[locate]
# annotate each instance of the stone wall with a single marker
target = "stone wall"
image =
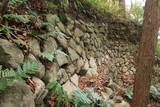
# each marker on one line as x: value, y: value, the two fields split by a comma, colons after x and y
x: 85, y: 43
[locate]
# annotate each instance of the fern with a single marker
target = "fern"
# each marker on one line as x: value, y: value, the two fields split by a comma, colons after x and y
x: 51, y: 5
x: 43, y: 36
x: 15, y: 3
x: 92, y: 95
x: 8, y: 76
x: 5, y: 30
x: 80, y: 98
x: 45, y: 24
x: 19, y: 42
x: 128, y: 94
x: 21, y: 18
x: 57, y: 89
x: 155, y: 93
x: 51, y: 55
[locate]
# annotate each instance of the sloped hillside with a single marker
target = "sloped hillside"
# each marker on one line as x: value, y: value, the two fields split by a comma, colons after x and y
x: 75, y: 48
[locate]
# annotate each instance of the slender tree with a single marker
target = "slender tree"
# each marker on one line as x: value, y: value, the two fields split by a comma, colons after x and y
x: 4, y: 6
x: 122, y: 4
x: 146, y: 53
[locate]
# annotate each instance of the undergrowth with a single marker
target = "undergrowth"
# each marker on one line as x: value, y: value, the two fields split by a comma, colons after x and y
x: 78, y: 98
x: 9, y: 76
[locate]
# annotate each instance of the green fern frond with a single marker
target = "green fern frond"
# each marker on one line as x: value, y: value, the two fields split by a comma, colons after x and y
x: 5, y: 30
x: 80, y: 97
x: 15, y: 3
x: 8, y: 76
x: 43, y: 36
x: 92, y: 95
x: 21, y: 18
x: 51, y: 5
x: 19, y: 42
x: 45, y: 24
x: 57, y: 89
x: 51, y: 55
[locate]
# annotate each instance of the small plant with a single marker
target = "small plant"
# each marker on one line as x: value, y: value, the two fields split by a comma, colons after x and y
x: 51, y: 55
x: 51, y: 5
x: 128, y: 94
x: 57, y: 90
x: 22, y: 18
x: 9, y: 76
x: 5, y: 30
x: 155, y: 93
x: 80, y: 99
x: 15, y: 3
x: 88, y: 98
x: 45, y: 24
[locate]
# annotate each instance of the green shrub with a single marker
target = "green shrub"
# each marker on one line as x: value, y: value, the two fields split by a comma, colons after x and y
x: 103, y: 6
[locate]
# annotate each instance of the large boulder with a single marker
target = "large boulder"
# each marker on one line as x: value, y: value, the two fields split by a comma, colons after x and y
x: 10, y: 55
x: 19, y: 95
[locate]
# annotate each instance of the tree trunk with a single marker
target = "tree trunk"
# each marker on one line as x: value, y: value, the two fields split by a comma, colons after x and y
x: 4, y: 6
x: 146, y: 53
x: 122, y: 4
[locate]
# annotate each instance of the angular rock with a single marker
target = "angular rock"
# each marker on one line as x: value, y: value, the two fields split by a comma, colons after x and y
x: 18, y: 95
x: 122, y: 104
x: 80, y: 64
x: 74, y: 79
x: 71, y: 69
x: 51, y: 74
x: 61, y: 27
x: 76, y: 47
x: 69, y: 87
x: 78, y: 32
x: 92, y: 63
x: 34, y: 46
x: 61, y: 59
x: 92, y: 72
x: 50, y: 44
x: 52, y: 19
x: 62, y: 76
x: 62, y: 41
x: 108, y: 92
x: 10, y: 55
x: 73, y: 55
x: 40, y: 91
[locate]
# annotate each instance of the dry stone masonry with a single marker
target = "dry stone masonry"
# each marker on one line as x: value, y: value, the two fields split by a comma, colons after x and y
x: 85, y: 43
